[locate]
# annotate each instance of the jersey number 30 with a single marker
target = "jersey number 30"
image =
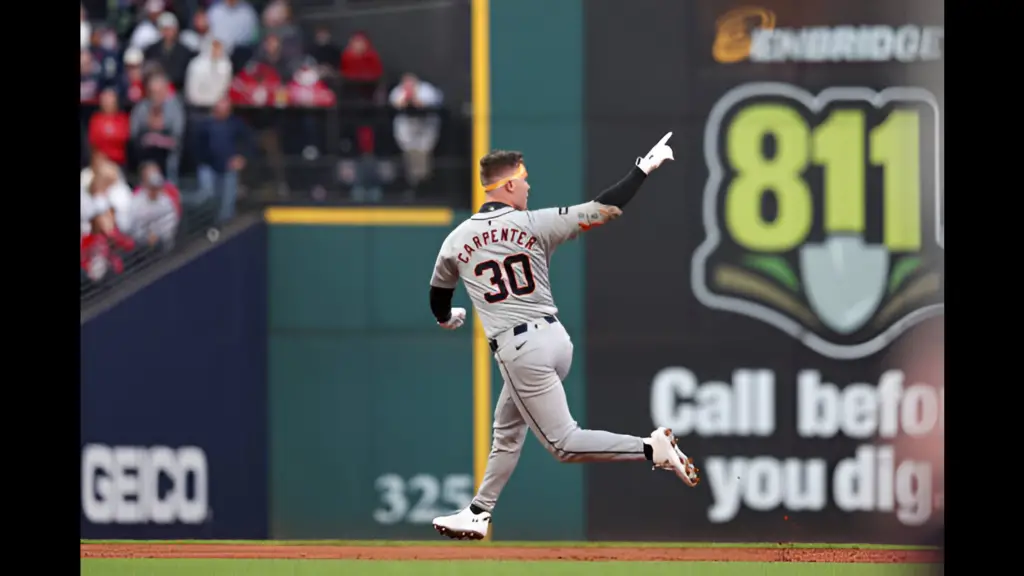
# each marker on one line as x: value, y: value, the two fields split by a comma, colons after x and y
x: 504, y: 277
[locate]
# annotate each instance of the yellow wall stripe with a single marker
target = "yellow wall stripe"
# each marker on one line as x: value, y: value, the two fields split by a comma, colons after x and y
x: 359, y: 216
x: 481, y: 45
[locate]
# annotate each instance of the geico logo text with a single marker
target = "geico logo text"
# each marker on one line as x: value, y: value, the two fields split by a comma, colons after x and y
x: 138, y: 484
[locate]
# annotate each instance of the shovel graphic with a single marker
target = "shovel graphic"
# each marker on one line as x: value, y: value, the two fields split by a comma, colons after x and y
x: 844, y: 280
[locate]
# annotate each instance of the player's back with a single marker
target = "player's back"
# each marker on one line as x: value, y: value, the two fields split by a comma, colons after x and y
x: 503, y: 264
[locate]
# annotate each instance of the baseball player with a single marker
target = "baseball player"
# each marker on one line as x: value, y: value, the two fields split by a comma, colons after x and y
x: 502, y: 255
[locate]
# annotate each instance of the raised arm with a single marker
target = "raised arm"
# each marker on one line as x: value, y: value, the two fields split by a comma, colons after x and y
x: 557, y: 225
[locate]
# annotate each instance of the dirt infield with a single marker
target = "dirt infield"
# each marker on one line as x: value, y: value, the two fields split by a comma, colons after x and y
x: 478, y: 552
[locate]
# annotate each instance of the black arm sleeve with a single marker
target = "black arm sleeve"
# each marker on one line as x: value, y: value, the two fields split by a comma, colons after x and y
x: 624, y: 190
x: 441, y: 303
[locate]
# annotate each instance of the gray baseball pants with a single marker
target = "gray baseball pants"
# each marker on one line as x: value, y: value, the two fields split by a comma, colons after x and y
x: 533, y: 397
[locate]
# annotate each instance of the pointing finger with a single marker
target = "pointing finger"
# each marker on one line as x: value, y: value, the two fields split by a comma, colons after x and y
x: 665, y: 138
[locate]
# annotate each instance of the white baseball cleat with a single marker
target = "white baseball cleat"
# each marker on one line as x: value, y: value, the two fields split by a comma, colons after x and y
x: 667, y: 456
x: 463, y: 525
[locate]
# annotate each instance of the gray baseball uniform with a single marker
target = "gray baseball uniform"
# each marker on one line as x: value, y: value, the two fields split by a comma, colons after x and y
x: 502, y: 256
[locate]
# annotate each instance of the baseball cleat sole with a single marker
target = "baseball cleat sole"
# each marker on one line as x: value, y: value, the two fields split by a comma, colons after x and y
x: 458, y: 534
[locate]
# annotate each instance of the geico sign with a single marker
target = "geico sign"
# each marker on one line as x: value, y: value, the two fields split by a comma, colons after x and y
x: 138, y: 484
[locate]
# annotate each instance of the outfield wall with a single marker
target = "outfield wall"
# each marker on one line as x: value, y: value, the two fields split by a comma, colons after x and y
x: 174, y: 401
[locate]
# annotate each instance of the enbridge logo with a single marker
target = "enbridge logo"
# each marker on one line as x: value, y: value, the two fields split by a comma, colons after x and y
x: 750, y: 34
x: 734, y: 30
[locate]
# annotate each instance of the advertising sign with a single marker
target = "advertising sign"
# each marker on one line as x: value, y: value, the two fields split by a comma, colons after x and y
x: 789, y: 273
x: 173, y: 403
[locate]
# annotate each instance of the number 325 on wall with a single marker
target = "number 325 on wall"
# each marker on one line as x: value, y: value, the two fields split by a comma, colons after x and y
x: 421, y: 498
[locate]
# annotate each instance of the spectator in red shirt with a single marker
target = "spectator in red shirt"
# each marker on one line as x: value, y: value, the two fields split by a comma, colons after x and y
x: 108, y: 128
x: 361, y: 68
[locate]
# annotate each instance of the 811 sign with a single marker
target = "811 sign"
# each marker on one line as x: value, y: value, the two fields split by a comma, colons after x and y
x: 822, y: 213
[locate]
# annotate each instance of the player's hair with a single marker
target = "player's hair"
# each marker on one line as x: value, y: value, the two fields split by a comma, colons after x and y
x: 497, y: 163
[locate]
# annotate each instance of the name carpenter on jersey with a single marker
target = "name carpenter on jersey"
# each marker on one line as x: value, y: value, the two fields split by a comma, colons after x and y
x: 495, y: 236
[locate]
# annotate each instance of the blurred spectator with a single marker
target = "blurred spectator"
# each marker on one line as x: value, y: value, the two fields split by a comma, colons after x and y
x: 108, y: 128
x: 361, y: 68
x: 155, y: 214
x: 157, y: 126
x: 93, y: 201
x: 208, y: 77
x: 147, y: 32
x: 105, y: 53
x: 103, y: 248
x: 306, y: 89
x: 91, y: 79
x: 223, y: 143
x: 171, y: 54
x: 155, y: 141
x: 236, y: 25
x: 325, y: 52
x: 363, y: 174
x: 272, y: 54
x: 86, y: 28
x: 257, y: 84
x: 198, y: 36
x: 277, y: 21
x: 105, y: 183
x: 133, y: 87
x: 416, y: 134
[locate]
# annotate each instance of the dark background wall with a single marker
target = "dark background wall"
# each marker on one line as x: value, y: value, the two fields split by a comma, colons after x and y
x: 650, y: 69
x: 181, y: 363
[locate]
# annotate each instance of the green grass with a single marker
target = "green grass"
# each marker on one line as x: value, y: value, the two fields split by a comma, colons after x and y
x: 530, y: 544
x: 487, y: 568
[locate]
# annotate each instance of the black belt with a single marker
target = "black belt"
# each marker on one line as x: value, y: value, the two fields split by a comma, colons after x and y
x: 519, y: 329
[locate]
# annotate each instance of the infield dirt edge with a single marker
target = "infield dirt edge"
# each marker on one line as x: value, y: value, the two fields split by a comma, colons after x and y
x: 469, y: 551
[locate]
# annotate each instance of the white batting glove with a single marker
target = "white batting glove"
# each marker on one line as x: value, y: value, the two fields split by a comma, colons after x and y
x: 457, y: 318
x: 660, y: 153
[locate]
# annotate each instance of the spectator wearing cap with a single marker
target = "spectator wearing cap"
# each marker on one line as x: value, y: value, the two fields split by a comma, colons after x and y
x: 132, y: 84
x: 157, y: 125
x: 198, y: 36
x: 208, y: 77
x: 155, y: 214
x: 223, y: 142
x: 108, y: 128
x: 171, y: 54
x: 147, y: 32
x: 236, y: 24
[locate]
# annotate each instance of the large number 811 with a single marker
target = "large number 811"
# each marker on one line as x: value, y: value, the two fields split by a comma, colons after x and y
x: 838, y: 145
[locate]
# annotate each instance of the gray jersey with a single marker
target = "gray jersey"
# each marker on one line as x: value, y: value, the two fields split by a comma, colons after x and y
x: 502, y: 257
